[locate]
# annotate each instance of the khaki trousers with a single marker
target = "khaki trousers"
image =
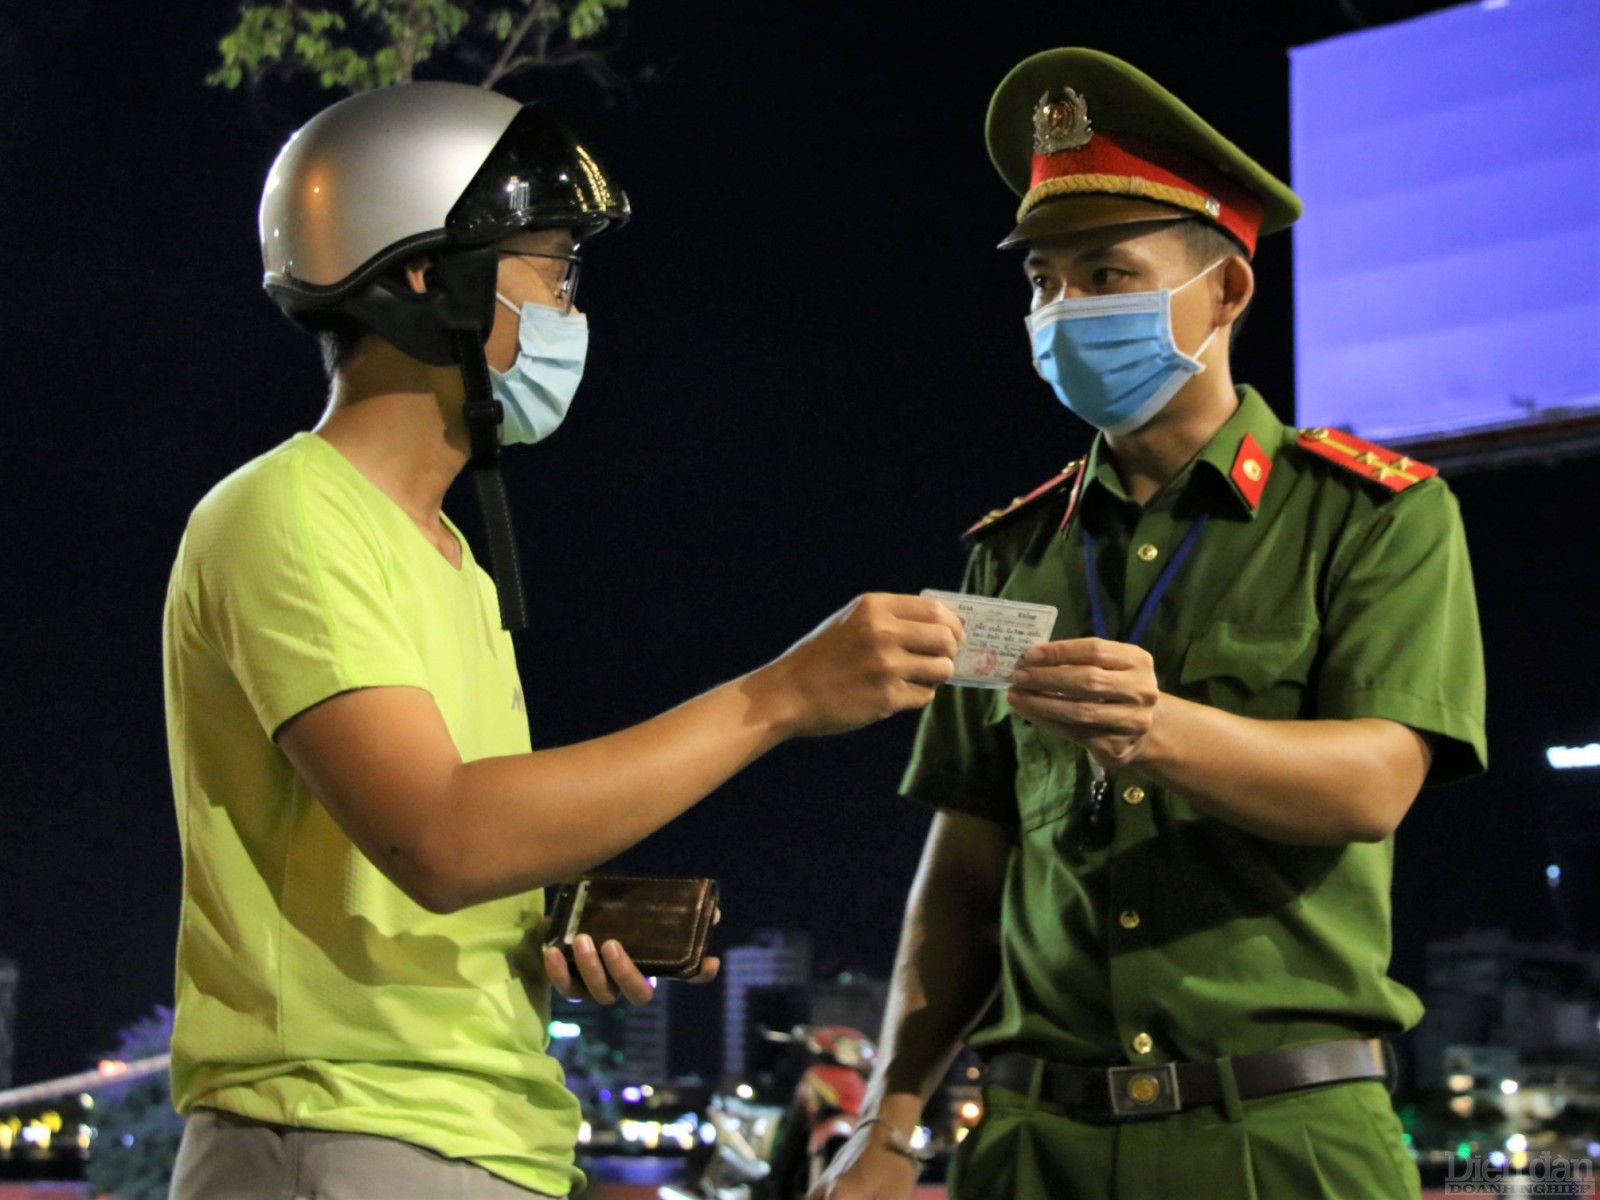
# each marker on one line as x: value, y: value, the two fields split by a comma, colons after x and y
x: 224, y: 1157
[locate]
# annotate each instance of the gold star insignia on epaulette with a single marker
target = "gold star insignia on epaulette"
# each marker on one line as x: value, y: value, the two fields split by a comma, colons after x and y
x: 1395, y: 471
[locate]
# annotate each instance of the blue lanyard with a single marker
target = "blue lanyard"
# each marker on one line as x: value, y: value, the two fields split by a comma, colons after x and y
x: 1163, y: 582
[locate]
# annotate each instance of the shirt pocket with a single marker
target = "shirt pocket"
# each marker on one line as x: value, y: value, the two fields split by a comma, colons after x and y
x: 1252, y: 670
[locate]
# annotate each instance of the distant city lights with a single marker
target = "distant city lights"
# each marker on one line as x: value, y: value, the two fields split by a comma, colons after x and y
x: 1568, y: 758
x: 651, y: 1134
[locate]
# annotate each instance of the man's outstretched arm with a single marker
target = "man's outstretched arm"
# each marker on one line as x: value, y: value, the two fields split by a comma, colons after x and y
x: 944, y: 979
x: 451, y: 833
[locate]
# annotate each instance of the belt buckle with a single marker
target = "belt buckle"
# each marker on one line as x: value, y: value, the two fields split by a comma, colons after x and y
x: 1144, y: 1091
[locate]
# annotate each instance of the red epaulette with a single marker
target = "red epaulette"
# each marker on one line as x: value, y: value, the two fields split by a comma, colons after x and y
x: 1394, y: 470
x: 1072, y: 473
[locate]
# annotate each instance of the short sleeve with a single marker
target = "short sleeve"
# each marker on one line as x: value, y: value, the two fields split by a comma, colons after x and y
x: 290, y: 582
x: 1401, y: 636
x: 964, y: 758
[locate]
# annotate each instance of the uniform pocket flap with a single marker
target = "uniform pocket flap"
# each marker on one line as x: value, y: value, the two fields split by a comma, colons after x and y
x: 1257, y: 657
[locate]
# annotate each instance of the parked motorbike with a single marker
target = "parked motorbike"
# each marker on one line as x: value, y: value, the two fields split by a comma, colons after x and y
x: 754, y: 1156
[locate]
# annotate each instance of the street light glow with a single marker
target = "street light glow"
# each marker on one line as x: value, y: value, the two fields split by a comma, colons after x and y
x: 1568, y: 758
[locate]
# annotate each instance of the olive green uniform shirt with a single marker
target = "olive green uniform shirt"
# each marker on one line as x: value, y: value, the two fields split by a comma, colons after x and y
x: 1188, y: 938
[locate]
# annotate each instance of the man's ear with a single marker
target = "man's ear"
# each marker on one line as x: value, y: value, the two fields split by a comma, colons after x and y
x: 417, y: 274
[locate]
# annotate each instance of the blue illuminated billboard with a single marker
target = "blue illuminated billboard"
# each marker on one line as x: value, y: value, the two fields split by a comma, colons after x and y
x: 1447, y: 268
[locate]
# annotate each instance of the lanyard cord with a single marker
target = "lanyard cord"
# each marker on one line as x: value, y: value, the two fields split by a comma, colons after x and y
x: 1098, y: 821
x: 1147, y: 610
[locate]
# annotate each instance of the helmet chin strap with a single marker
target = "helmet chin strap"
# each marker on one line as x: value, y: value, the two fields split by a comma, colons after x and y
x: 484, y: 414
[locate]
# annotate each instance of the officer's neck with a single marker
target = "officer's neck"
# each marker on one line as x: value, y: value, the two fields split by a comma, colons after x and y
x: 1152, y: 456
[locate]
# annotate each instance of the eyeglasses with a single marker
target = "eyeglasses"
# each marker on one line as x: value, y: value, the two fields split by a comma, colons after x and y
x: 565, y: 289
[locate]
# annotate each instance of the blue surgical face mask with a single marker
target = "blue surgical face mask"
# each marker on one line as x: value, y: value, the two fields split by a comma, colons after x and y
x: 537, y: 391
x: 1112, y: 359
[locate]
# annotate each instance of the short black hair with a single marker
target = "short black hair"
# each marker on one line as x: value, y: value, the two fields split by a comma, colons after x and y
x: 338, y: 337
x: 1206, y: 243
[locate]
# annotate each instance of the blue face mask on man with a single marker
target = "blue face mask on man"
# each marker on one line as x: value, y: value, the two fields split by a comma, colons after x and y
x: 537, y: 389
x: 1112, y: 359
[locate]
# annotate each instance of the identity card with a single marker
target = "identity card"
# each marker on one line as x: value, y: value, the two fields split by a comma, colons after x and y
x: 999, y: 632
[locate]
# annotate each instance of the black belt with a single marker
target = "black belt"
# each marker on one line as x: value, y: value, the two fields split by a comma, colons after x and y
x: 1116, y: 1093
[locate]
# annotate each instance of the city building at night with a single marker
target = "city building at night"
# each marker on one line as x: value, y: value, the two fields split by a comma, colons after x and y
x: 850, y: 998
x: 605, y: 1047
x: 773, y: 959
x: 8, y: 1016
x: 1571, y: 805
x: 1515, y: 1024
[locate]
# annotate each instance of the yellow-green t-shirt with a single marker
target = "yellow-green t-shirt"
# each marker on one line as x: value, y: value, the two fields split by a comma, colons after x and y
x: 310, y: 990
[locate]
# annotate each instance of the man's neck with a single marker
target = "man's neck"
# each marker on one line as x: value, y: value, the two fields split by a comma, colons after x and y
x: 1152, y: 456
x: 395, y: 432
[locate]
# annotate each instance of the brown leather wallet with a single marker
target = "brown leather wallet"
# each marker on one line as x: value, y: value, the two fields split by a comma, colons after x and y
x: 662, y: 921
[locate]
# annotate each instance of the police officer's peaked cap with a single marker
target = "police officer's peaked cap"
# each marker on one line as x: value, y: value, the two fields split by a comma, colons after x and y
x: 1078, y: 123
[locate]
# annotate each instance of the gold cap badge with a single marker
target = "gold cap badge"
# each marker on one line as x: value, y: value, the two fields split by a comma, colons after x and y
x: 1061, y: 122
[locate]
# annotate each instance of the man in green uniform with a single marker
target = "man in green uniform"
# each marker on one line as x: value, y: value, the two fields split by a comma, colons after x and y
x: 1155, y: 897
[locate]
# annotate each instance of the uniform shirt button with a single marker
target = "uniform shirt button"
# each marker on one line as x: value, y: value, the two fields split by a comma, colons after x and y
x: 1134, y: 795
x: 1148, y: 553
x: 1129, y: 920
x: 1143, y: 1043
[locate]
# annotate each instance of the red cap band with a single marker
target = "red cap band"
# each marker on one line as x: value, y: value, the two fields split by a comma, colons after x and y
x: 1131, y: 166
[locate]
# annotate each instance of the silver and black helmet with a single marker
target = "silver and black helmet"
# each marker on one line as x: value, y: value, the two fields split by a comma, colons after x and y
x: 442, y: 170
x: 435, y: 170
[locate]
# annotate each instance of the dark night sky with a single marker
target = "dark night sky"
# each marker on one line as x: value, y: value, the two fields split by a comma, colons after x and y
x: 808, y: 375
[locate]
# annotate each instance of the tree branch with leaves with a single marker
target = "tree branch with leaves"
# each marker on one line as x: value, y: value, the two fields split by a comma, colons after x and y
x: 362, y: 44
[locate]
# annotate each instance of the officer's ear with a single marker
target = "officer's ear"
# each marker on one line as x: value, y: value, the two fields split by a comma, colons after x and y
x: 1238, y: 288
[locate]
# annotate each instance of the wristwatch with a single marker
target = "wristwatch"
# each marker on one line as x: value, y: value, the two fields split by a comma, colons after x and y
x: 898, y: 1142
